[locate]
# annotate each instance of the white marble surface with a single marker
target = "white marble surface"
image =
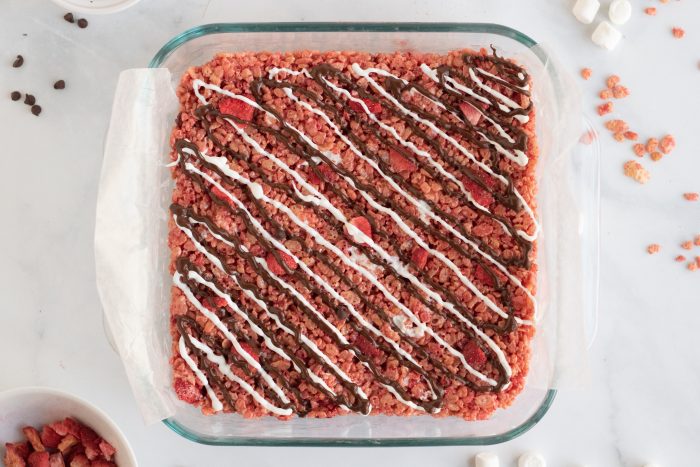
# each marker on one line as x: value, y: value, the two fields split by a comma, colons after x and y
x: 642, y: 404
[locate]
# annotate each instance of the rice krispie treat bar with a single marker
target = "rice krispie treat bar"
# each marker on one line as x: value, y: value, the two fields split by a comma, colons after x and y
x: 353, y: 233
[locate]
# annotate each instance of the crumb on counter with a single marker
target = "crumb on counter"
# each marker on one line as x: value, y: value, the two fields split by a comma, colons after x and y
x: 586, y: 73
x: 687, y: 245
x: 678, y: 33
x: 651, y: 11
x: 691, y: 196
x: 680, y: 258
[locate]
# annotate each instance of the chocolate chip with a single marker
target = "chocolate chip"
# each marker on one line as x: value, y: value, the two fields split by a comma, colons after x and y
x: 60, y: 84
x: 19, y: 61
x: 69, y: 17
x: 29, y: 99
x: 82, y: 23
x: 36, y: 110
x: 15, y: 95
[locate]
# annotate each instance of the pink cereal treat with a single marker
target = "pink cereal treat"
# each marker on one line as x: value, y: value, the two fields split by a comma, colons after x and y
x: 691, y: 196
x: 636, y: 171
x: 653, y: 248
x: 586, y: 73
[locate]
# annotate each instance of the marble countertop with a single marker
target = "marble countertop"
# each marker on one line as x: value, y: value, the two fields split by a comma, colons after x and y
x: 642, y: 402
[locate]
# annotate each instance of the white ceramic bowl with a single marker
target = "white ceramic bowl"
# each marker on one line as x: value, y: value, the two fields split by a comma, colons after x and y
x: 95, y: 7
x: 38, y: 406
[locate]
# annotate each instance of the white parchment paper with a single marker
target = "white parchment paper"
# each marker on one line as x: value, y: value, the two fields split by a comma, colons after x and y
x: 131, y: 231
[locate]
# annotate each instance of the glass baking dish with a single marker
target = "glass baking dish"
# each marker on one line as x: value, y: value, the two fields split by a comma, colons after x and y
x: 579, y: 172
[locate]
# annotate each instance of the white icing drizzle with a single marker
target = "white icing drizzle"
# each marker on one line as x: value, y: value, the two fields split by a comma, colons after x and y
x: 302, y: 337
x: 215, y: 402
x: 422, y: 207
x: 359, y: 71
x: 225, y: 370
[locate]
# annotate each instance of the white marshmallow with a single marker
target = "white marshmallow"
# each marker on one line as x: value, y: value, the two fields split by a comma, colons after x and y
x: 585, y: 10
x: 606, y: 36
x: 486, y: 459
x: 620, y: 11
x: 532, y: 459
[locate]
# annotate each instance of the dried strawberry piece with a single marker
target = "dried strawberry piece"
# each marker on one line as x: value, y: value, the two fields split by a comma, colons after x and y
x: 38, y: 459
x: 605, y: 108
x: 651, y: 11
x: 67, y: 443
x: 186, y: 391
x: 363, y: 225
x: 80, y: 461
x: 34, y: 438
x: 639, y: 149
x: 328, y: 173
x: 107, y: 449
x: 475, y: 356
x: 470, y: 112
x: 249, y: 350
x: 102, y: 463
x: 16, y: 454
x: 237, y: 108
x: 480, y: 195
x: 586, y: 73
x: 366, y: 346
x: 419, y: 257
x: 49, y: 437
x: 399, y: 163
x: 56, y: 460
x: 275, y: 267
x: 483, y: 276
x: 374, y: 107
x: 219, y: 302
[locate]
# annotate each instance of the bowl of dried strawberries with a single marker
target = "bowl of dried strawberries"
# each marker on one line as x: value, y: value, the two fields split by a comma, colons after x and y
x: 42, y: 427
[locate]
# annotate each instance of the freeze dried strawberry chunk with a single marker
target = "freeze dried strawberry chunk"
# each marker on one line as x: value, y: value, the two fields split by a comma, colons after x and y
x: 480, y: 195
x: 277, y: 268
x: 80, y: 461
x: 374, y: 107
x: 605, y: 108
x: 366, y: 346
x: 102, y: 463
x: 237, y: 108
x: 49, y: 437
x: 328, y: 173
x: 56, y: 460
x: 691, y: 196
x: 186, y: 391
x: 399, y: 163
x: 67, y: 443
x: 363, y: 225
x: 38, y: 459
x: 16, y: 454
x: 107, y: 449
x: 33, y: 437
x: 483, y: 276
x: 586, y: 73
x: 419, y: 257
x: 249, y: 350
x: 470, y: 112
x: 474, y: 355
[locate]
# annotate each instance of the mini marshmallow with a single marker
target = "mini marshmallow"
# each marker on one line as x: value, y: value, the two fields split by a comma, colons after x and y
x: 531, y: 459
x: 486, y: 459
x: 620, y: 11
x: 606, y: 36
x: 585, y: 10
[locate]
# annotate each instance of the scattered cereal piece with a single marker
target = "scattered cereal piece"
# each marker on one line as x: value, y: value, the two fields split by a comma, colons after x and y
x: 635, y: 170
x: 605, y: 94
x: 60, y: 84
x: 631, y: 135
x: 667, y: 144
x: 606, y: 108
x: 639, y: 149
x: 680, y: 258
x: 678, y: 33
x: 697, y: 240
x: 652, y: 144
x: 69, y: 17
x: 586, y: 73
x: 619, y: 136
x: 19, y: 61
x: 653, y: 248
x: 616, y: 125
x: 656, y: 156
x: 687, y: 245
x: 691, y: 196
x: 612, y: 81
x: 82, y: 23
x: 651, y: 11
x: 620, y: 92
x: 692, y: 266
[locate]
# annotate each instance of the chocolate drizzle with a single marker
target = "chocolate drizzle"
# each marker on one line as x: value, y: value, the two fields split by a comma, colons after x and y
x: 344, y: 117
